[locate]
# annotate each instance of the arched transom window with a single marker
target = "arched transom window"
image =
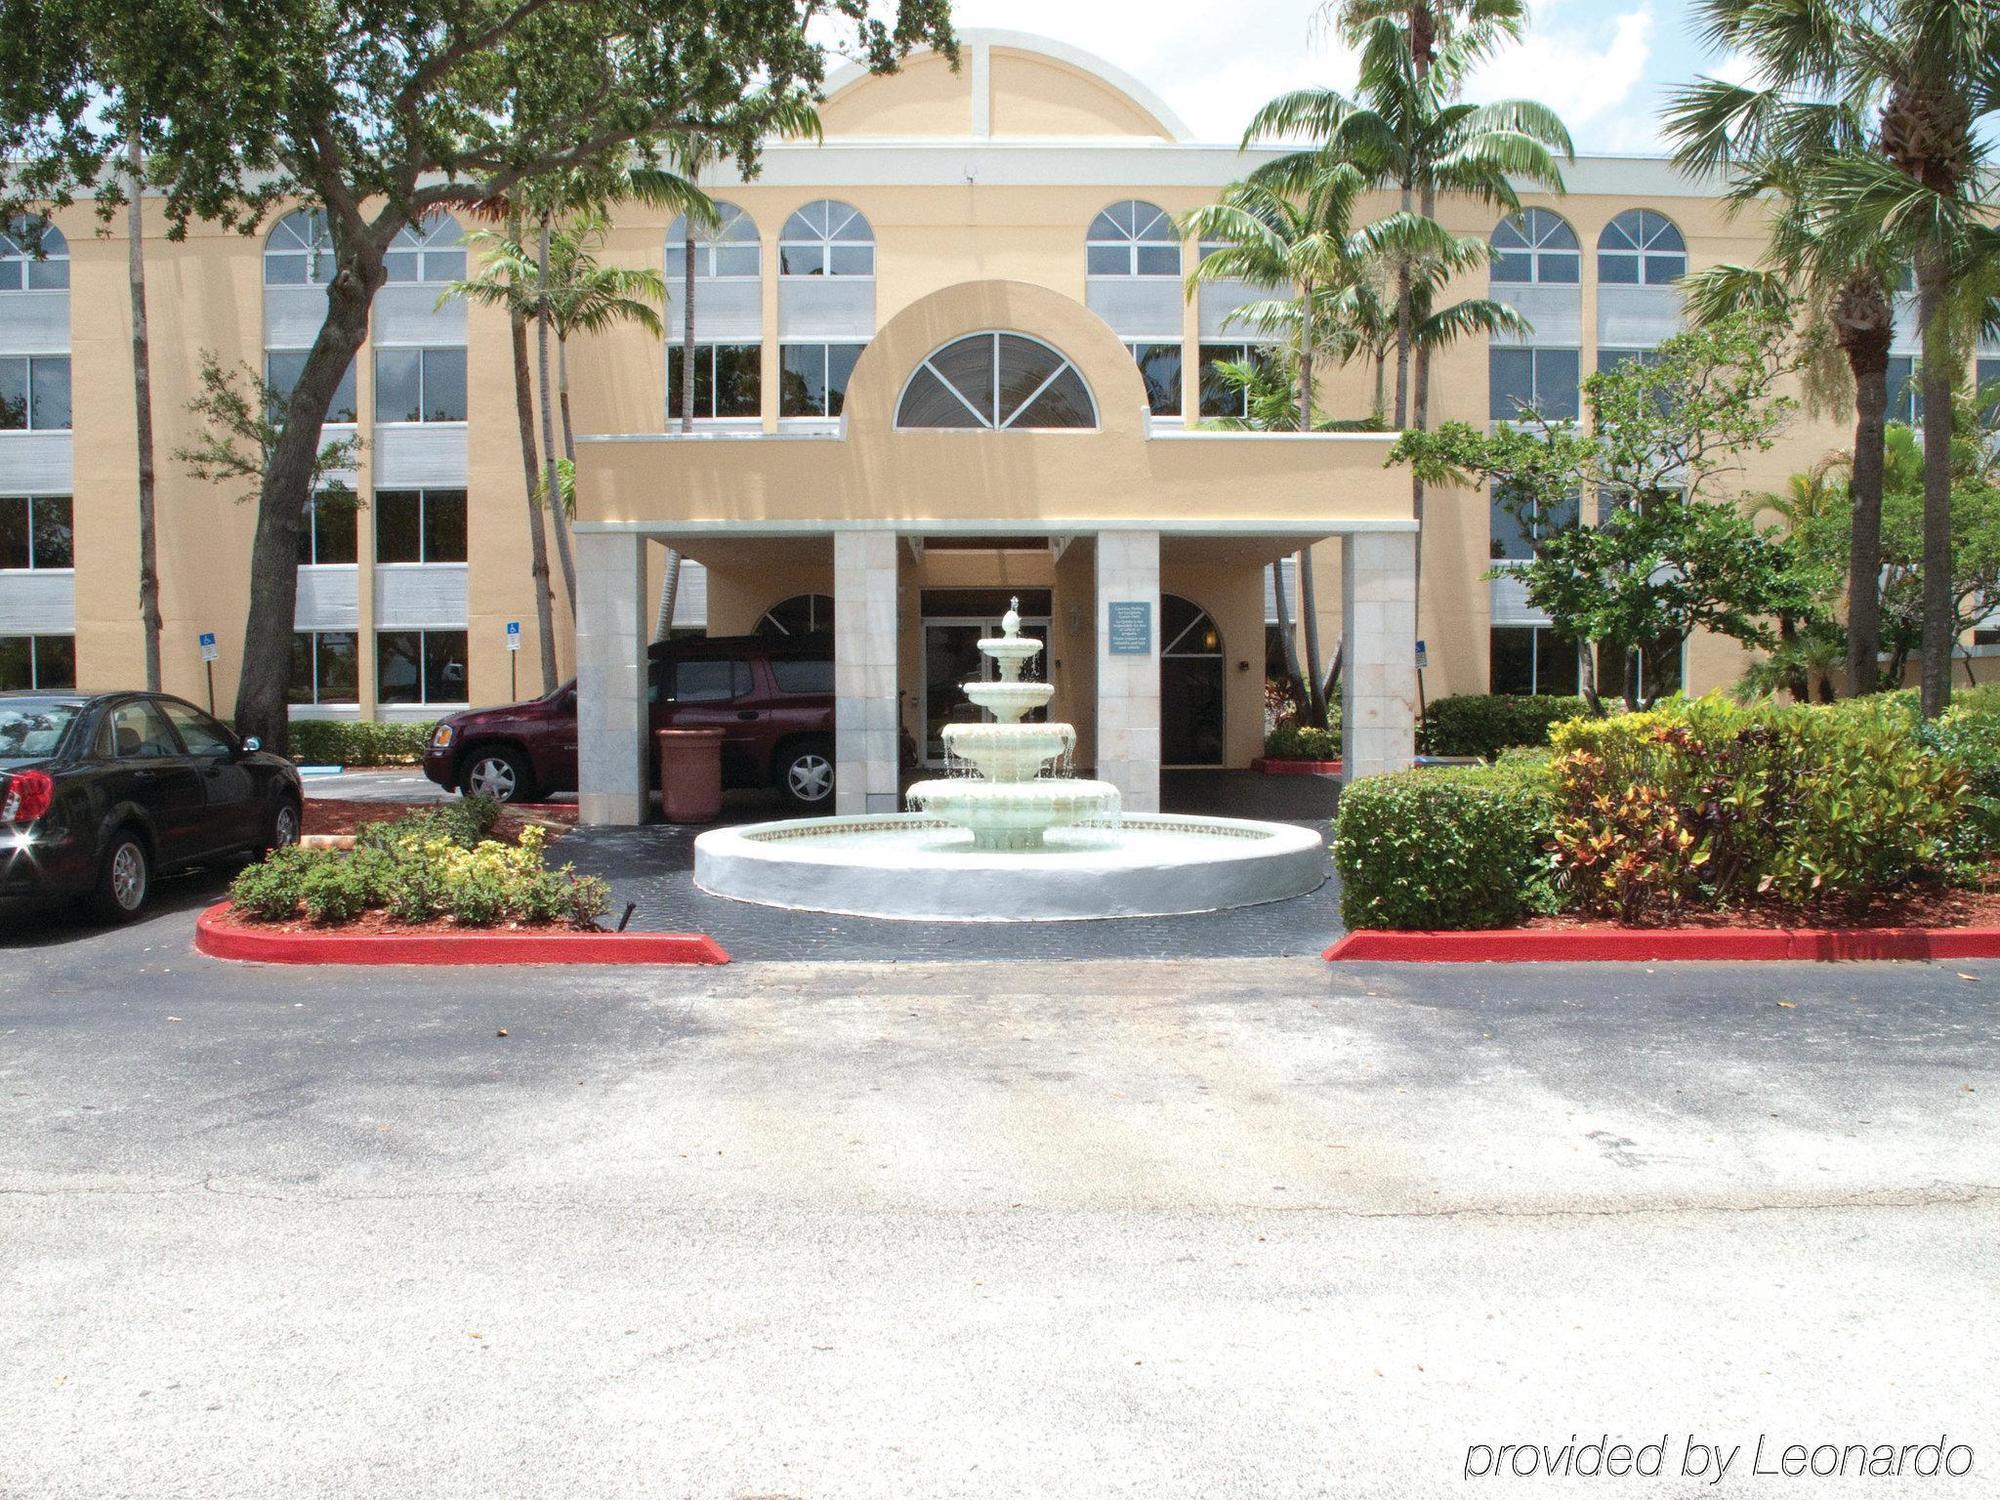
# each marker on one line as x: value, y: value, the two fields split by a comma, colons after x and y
x: 729, y: 249
x: 432, y: 250
x: 300, y: 250
x: 826, y: 239
x: 1641, y: 248
x: 996, y: 381
x: 1536, y: 245
x: 1133, y: 238
x: 800, y: 615
x: 34, y: 257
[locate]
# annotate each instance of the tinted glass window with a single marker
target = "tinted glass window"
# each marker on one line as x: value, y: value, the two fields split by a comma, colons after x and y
x: 802, y: 676
x: 14, y: 547
x: 399, y: 385
x: 399, y: 533
x: 55, y: 661
x: 13, y: 394
x: 29, y: 728
x: 201, y: 734
x: 710, y: 681
x: 139, y: 732
x: 444, y: 385
x: 444, y: 526
x: 48, y: 407
x: 55, y: 539
x: 1160, y: 368
x: 282, y: 369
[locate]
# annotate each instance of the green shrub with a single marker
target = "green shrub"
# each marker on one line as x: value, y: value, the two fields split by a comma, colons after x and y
x: 269, y: 889
x: 1968, y: 736
x: 464, y: 822
x: 333, y: 890
x: 1303, y: 742
x: 1445, y: 848
x: 1704, y: 803
x: 1484, y: 724
x: 333, y: 742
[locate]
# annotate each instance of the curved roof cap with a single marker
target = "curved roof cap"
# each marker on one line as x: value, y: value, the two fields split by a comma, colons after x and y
x: 1035, y: 86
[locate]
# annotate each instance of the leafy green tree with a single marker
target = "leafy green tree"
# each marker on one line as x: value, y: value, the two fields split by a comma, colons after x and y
x: 1669, y: 548
x: 1924, y: 71
x: 242, y: 430
x: 382, y: 114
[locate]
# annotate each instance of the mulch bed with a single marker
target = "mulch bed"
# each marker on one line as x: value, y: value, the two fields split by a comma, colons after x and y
x: 329, y: 816
x: 380, y: 924
x: 1932, y: 906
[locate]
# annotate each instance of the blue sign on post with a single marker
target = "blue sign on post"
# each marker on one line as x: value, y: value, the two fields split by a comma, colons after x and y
x: 208, y: 651
x: 513, y: 635
x: 1130, y: 629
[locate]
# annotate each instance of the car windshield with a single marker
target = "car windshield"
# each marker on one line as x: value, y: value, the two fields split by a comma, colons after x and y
x: 31, y: 728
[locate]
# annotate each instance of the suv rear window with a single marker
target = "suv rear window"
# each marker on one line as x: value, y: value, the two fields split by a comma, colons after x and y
x: 710, y: 681
x: 794, y: 675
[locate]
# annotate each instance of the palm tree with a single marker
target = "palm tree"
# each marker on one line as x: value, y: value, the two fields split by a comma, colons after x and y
x: 142, y: 401
x: 1409, y: 128
x: 1924, y: 73
x: 1841, y: 292
x: 505, y: 279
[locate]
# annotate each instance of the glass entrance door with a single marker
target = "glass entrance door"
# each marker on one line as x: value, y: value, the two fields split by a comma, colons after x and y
x: 952, y: 659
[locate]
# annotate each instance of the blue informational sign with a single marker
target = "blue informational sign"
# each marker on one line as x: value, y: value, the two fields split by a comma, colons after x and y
x: 1131, y: 627
x: 513, y: 635
x: 1423, y: 656
x: 208, y: 650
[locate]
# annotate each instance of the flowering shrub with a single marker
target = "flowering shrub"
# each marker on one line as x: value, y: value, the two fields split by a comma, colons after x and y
x: 417, y: 870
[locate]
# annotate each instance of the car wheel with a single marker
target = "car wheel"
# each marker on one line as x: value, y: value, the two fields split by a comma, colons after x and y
x: 282, y: 828
x: 500, y: 774
x: 124, y: 878
x: 805, y: 776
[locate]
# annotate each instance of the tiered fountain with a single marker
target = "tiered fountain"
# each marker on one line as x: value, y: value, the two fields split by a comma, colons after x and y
x: 1009, y: 842
x: 1010, y: 804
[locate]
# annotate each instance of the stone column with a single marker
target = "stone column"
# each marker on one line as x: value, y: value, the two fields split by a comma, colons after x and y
x: 865, y: 639
x: 611, y: 628
x: 1128, y: 683
x: 1378, y: 680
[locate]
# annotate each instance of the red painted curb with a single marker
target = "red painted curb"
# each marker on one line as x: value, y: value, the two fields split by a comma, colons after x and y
x: 1265, y: 766
x: 1668, y: 944
x: 227, y: 940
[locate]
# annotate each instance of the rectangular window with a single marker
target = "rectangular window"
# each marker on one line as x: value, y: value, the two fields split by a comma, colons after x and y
x: 1532, y: 660
x: 282, y: 369
x: 420, y: 385
x: 36, y: 532
x: 1906, y: 397
x: 1160, y: 368
x: 37, y: 661
x: 1544, y: 380
x: 728, y: 380
x: 1610, y: 359
x: 34, y: 393
x: 710, y: 680
x: 1656, y: 670
x: 328, y: 535
x: 1516, y: 531
x: 419, y: 526
x: 812, y: 382
x: 420, y: 666
x: 1218, y: 397
x: 326, y: 667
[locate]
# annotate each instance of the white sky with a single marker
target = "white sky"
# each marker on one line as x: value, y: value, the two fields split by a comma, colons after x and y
x: 1601, y: 64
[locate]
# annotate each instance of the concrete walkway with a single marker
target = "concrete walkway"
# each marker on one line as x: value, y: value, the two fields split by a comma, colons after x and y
x: 1246, y: 1228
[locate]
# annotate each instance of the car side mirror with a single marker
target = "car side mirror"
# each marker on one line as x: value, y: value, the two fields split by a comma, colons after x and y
x: 252, y: 743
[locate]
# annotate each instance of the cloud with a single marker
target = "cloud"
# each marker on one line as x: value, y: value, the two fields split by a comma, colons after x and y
x: 1591, y: 75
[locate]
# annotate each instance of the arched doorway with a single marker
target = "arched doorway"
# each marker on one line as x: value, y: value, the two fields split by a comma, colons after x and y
x: 798, y: 617
x: 1191, y: 685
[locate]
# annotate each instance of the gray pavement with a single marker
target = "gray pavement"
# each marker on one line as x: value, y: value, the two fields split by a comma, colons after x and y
x: 1237, y: 1228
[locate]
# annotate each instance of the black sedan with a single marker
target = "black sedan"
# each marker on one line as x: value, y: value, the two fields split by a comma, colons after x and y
x: 98, y: 793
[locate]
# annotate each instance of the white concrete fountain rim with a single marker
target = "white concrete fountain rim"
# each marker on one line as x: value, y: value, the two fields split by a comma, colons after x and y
x: 1149, y: 865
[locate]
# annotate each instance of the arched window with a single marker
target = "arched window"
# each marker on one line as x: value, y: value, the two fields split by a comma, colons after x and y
x: 826, y: 239
x: 300, y: 250
x: 432, y: 250
x: 1641, y: 248
x: 797, y: 617
x: 1133, y: 239
x: 34, y: 257
x: 1191, y: 684
x: 996, y: 381
x: 730, y: 250
x: 1536, y: 245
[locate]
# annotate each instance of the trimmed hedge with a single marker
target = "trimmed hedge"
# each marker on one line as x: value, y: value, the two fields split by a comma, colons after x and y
x: 1303, y: 742
x: 1448, y: 848
x: 336, y: 742
x: 1484, y: 724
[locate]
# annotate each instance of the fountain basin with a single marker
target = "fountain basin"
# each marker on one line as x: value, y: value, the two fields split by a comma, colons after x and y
x: 1008, y: 752
x: 1014, y: 813
x: 1007, y: 701
x: 911, y: 866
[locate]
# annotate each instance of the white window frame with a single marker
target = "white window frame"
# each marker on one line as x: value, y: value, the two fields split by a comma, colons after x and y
x: 423, y: 385
x: 34, y: 638
x: 438, y: 234
x: 34, y: 567
x: 1542, y: 230
x: 318, y: 702
x: 992, y: 423
x: 302, y: 232
x: 1146, y: 218
x: 14, y: 251
x: 421, y: 632
x: 1646, y: 229
x: 706, y: 246
x: 840, y: 225
x: 29, y: 361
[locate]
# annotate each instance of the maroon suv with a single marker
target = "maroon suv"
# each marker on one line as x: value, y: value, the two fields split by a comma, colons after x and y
x: 773, y: 703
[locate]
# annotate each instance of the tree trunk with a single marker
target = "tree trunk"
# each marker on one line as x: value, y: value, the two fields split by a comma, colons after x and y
x: 1315, y: 684
x: 142, y: 410
x: 552, y: 480
x: 1586, y: 679
x: 1295, y: 681
x: 538, y: 544
x: 1420, y: 412
x: 1940, y: 620
x: 262, y: 687
x: 1309, y: 607
x: 1866, y: 325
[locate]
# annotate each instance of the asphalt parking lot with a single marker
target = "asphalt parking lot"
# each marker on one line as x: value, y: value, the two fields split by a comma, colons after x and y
x: 1250, y: 1227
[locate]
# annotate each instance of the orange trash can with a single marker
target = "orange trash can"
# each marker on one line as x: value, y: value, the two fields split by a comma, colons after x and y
x: 690, y: 774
